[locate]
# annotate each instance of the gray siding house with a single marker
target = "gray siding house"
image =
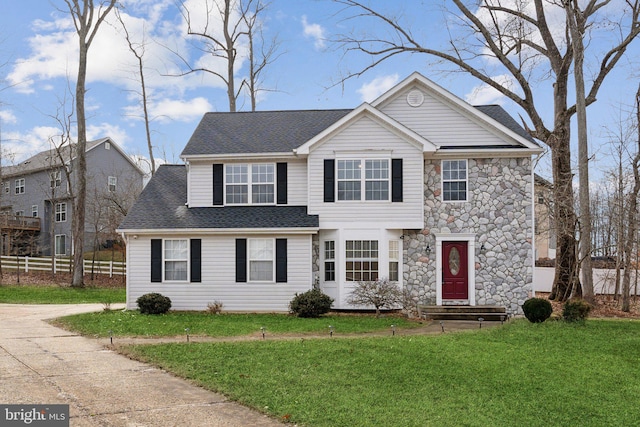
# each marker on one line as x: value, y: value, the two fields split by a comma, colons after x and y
x: 418, y: 187
x: 36, y: 197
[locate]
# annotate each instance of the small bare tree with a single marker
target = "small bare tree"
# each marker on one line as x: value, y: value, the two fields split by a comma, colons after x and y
x: 379, y: 293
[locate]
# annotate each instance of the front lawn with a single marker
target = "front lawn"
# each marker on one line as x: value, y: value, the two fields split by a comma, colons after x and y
x: 521, y: 374
x: 60, y: 295
x: 134, y: 324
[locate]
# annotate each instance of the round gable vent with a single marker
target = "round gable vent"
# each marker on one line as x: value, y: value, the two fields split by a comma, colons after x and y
x: 415, y: 98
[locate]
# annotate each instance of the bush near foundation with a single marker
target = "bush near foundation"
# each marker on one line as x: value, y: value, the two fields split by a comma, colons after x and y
x: 537, y: 310
x: 153, y: 303
x: 313, y: 303
x: 576, y: 310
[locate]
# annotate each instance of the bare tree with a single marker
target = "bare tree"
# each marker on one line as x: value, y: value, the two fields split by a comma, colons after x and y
x: 632, y: 216
x: 519, y: 39
x: 87, y: 18
x: 380, y: 293
x: 138, y: 50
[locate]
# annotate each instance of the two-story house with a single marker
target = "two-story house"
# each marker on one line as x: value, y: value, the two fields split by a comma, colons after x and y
x: 418, y: 187
x: 36, y: 197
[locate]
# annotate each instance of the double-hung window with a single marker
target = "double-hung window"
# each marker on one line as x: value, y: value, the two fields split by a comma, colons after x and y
x: 329, y: 261
x: 61, y: 212
x: 250, y: 183
x: 361, y: 260
x: 394, y: 260
x: 176, y: 256
x: 19, y: 186
x: 55, y: 179
x: 261, y: 260
x: 34, y: 211
x: 374, y: 180
x: 112, y: 183
x: 454, y: 180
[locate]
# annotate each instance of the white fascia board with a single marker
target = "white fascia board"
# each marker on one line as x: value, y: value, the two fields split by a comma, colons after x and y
x: 235, y: 156
x: 366, y: 110
x: 457, y: 103
x: 484, y: 153
x: 218, y: 231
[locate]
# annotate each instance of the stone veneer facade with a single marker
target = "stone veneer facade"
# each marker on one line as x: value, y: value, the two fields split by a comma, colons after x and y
x: 498, y: 212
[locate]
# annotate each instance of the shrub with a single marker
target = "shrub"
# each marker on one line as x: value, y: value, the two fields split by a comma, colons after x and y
x: 153, y: 303
x: 312, y: 303
x: 214, y: 307
x: 379, y: 293
x: 576, y: 310
x: 537, y: 310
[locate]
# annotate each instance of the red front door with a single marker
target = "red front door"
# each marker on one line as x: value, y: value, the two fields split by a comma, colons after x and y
x: 455, y: 280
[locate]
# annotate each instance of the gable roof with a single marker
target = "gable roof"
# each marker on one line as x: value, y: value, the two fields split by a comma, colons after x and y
x: 258, y: 131
x: 50, y: 159
x: 162, y: 206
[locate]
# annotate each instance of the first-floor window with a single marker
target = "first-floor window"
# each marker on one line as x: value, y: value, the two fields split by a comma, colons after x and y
x: 61, y: 212
x: 61, y: 244
x: 261, y: 257
x: 329, y: 261
x: 175, y: 259
x: 454, y: 180
x: 394, y: 260
x: 361, y: 260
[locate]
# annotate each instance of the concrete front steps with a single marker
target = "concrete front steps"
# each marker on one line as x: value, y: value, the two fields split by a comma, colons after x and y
x: 489, y: 313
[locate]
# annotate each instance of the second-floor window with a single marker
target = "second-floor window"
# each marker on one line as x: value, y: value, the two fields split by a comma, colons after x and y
x: 61, y: 212
x: 6, y: 187
x: 112, y: 183
x: 374, y: 180
x: 20, y: 186
x: 34, y: 211
x: 250, y: 183
x: 454, y: 180
x: 56, y: 179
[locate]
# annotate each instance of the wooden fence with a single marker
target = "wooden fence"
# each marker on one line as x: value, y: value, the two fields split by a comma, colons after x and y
x: 27, y: 264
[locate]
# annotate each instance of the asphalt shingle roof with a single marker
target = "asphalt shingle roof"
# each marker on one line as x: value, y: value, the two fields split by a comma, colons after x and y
x: 498, y: 114
x: 162, y: 206
x: 258, y: 131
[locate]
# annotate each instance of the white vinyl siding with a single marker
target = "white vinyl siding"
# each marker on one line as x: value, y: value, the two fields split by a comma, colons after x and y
x: 218, y: 276
x: 438, y: 122
x: 367, y: 140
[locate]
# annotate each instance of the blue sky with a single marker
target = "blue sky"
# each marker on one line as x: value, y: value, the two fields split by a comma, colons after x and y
x: 37, y: 45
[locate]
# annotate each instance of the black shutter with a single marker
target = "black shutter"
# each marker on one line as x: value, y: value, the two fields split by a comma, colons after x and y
x: 396, y: 180
x: 196, y: 260
x: 218, y: 184
x: 281, y: 177
x: 329, y: 180
x: 281, y: 260
x: 241, y: 260
x: 156, y: 260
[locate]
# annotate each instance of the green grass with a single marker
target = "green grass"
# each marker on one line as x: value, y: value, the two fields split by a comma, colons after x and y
x: 550, y: 374
x: 132, y: 323
x: 60, y: 295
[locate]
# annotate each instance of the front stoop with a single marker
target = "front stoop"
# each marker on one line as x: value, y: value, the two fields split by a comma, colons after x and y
x: 463, y: 312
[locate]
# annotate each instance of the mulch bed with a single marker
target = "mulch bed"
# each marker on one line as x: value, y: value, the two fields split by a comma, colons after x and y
x: 605, y: 306
x: 42, y: 278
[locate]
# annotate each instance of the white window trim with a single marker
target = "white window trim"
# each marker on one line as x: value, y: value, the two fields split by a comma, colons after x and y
x: 55, y: 245
x: 114, y: 184
x: 34, y: 210
x: 20, y: 184
x: 273, y: 260
x: 363, y: 179
x: 61, y: 212
x: 377, y: 259
x: 164, y: 260
x: 325, y: 260
x: 55, y: 179
x: 7, y: 187
x: 250, y: 184
x: 466, y: 181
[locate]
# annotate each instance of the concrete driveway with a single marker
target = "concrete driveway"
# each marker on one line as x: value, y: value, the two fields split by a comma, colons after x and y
x: 42, y: 364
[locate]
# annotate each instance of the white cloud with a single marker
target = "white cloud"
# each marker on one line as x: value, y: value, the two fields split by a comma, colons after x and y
x: 484, y: 94
x: 18, y: 146
x: 7, y: 116
x: 167, y: 110
x: 370, y: 91
x: 314, y: 31
x: 103, y: 130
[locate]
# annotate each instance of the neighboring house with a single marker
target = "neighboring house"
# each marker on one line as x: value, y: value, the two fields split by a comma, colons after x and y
x: 545, y: 230
x: 36, y: 199
x: 418, y: 187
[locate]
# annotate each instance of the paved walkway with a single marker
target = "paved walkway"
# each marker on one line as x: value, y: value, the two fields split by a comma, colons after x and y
x: 42, y: 364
